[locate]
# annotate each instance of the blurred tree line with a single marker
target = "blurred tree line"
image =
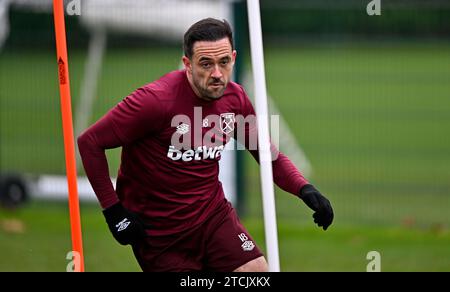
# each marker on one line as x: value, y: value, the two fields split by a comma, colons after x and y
x: 317, y: 18
x: 282, y: 20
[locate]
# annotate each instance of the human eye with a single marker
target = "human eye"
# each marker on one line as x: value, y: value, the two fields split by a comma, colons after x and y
x: 224, y: 62
x: 205, y: 65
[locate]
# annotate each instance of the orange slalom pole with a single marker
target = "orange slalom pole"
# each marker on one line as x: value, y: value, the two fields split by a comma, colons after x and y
x: 69, y: 145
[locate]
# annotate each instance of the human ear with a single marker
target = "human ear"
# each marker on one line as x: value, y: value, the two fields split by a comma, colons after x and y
x: 187, y: 64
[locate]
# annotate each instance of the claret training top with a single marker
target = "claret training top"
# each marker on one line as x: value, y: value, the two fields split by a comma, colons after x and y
x: 171, y: 144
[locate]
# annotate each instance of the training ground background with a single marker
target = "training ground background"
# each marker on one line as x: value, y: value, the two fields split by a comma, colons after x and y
x: 372, y: 116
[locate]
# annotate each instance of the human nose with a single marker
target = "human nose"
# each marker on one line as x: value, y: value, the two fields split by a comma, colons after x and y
x: 216, y: 73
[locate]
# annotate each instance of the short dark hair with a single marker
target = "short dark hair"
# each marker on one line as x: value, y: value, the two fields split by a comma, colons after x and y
x: 208, y: 29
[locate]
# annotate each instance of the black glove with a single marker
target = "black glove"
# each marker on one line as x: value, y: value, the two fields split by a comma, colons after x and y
x: 125, y: 226
x: 323, y: 213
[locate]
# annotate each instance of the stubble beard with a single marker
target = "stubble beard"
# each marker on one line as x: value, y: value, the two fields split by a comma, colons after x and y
x: 208, y: 94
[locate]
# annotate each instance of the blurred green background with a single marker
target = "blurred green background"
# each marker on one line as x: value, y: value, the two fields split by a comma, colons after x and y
x: 367, y: 98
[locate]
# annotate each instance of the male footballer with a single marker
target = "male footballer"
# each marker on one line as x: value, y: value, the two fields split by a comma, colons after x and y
x: 169, y: 204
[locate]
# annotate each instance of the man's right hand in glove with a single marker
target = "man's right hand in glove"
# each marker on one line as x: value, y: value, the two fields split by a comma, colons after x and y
x: 125, y: 226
